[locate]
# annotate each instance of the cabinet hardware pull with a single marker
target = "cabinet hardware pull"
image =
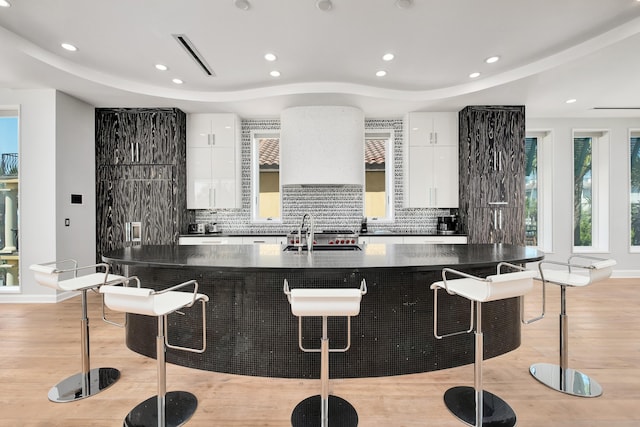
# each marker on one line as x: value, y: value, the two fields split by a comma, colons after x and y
x: 137, y: 152
x: 498, y: 203
x: 133, y: 159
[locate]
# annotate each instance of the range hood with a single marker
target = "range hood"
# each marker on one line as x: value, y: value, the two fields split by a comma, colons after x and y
x: 322, y: 145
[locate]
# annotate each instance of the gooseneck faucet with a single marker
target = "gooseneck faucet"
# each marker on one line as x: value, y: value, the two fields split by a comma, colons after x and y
x: 309, y: 232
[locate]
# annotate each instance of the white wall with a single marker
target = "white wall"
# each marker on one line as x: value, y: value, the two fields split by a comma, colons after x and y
x: 628, y: 263
x: 54, y: 131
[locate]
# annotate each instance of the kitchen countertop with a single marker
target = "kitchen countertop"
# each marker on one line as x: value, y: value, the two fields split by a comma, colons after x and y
x: 374, y: 233
x: 270, y: 256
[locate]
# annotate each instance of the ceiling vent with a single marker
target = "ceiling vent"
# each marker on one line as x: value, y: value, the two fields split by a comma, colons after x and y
x: 188, y: 46
x: 616, y: 108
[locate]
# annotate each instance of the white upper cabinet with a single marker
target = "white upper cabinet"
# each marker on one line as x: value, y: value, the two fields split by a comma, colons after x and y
x: 213, y: 161
x: 431, y: 160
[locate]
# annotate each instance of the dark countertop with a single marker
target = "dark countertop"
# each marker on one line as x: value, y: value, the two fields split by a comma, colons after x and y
x: 373, y: 233
x: 415, y: 257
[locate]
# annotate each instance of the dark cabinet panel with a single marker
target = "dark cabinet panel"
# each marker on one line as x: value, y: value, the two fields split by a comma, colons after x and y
x: 140, y: 177
x: 127, y: 136
x: 491, y: 168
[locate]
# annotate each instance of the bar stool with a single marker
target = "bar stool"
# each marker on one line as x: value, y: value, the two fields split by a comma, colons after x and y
x: 165, y: 409
x: 319, y: 409
x: 474, y: 405
x: 87, y: 382
x: 561, y: 377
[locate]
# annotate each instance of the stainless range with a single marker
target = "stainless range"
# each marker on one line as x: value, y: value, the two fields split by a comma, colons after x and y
x: 324, y: 240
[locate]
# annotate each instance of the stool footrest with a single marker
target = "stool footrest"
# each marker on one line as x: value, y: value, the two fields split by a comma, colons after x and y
x: 461, y: 401
x: 179, y: 408
x: 567, y: 380
x: 71, y: 389
x: 308, y: 413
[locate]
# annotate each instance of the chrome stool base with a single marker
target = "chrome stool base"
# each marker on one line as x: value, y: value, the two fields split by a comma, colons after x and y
x: 179, y: 408
x: 461, y: 401
x: 308, y: 413
x: 74, y: 388
x: 569, y: 381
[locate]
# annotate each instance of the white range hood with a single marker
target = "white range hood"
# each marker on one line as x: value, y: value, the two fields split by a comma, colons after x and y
x: 322, y: 145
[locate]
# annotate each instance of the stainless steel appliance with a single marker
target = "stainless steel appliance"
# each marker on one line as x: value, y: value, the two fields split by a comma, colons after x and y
x: 324, y: 240
x: 448, y: 224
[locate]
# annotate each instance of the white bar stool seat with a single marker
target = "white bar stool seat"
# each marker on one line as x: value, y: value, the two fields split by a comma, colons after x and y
x: 560, y: 377
x: 324, y: 410
x: 87, y: 382
x: 174, y: 408
x: 474, y: 405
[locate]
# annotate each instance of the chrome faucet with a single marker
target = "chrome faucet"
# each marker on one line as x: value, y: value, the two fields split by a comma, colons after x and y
x: 309, y: 232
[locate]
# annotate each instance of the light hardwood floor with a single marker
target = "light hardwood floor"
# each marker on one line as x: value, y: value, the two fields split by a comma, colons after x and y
x: 39, y: 345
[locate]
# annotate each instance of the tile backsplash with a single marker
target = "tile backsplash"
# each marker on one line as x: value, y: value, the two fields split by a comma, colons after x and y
x: 333, y: 207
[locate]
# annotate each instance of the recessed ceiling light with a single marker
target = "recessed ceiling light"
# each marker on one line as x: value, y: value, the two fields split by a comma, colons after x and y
x: 388, y: 57
x: 177, y: 81
x: 324, y: 5
x: 275, y: 73
x: 161, y: 67
x: 270, y: 57
x: 492, y: 59
x: 474, y: 75
x: 242, y: 4
x: 4, y: 3
x: 381, y: 73
x: 69, y: 47
x: 571, y: 101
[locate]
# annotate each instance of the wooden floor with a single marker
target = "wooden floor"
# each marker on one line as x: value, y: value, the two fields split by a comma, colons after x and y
x: 40, y: 346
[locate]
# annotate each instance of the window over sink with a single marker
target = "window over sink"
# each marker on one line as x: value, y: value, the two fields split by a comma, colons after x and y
x: 266, y: 176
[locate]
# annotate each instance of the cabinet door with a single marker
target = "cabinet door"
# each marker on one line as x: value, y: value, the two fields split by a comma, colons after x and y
x: 445, y: 176
x: 445, y: 129
x: 419, y: 128
x: 420, y: 179
x: 223, y: 178
x: 223, y: 128
x: 199, y: 130
x: 156, y: 211
x: 199, y: 184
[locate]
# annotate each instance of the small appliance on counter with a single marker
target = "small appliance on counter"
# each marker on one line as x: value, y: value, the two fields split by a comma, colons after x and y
x: 212, y: 228
x: 448, y: 224
x: 363, y: 225
x: 196, y: 229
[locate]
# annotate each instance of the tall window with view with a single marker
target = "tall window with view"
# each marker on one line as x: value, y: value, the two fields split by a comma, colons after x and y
x: 582, y: 191
x: 9, y: 186
x: 268, y: 193
x: 634, y: 189
x: 375, y: 178
x: 531, y: 191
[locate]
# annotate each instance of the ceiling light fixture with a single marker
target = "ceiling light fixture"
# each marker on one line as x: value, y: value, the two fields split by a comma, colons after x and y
x: 69, y: 47
x: 270, y: 57
x: 571, y: 101
x: 242, y: 4
x: 388, y: 57
x: 381, y: 73
x: 4, y: 3
x: 492, y: 59
x: 474, y: 75
x: 177, y: 81
x: 161, y: 67
x: 275, y: 73
x: 324, y: 5
x: 404, y: 4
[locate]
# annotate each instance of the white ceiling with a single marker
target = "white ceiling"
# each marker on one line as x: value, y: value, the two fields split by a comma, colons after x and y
x: 551, y: 50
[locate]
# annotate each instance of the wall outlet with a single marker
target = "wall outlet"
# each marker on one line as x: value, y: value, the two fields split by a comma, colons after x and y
x: 67, y: 222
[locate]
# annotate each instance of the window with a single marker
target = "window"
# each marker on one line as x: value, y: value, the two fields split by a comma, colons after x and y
x: 531, y: 191
x: 538, y: 189
x: 378, y: 161
x: 590, y: 191
x: 9, y: 185
x: 266, y: 176
x: 634, y: 190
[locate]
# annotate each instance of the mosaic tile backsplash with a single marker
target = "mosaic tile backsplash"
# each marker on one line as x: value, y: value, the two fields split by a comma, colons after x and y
x: 333, y: 207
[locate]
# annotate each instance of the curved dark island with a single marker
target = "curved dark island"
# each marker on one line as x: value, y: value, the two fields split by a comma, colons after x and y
x: 251, y: 330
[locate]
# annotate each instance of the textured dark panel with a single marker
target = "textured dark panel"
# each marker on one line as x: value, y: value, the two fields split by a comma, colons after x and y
x: 251, y: 330
x: 146, y: 186
x: 491, y: 167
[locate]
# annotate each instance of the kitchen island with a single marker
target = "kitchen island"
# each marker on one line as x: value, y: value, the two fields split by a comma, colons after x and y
x: 251, y: 330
